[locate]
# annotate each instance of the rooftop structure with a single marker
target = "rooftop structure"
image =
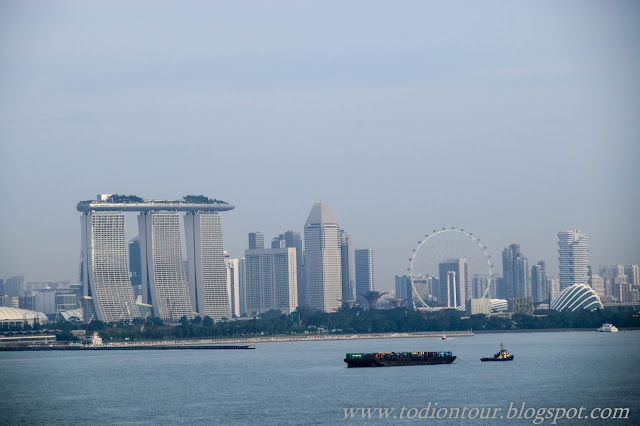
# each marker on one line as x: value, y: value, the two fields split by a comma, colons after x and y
x: 132, y: 203
x: 13, y: 316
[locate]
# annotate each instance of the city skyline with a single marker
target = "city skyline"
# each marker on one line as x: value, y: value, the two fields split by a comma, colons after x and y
x: 534, y: 102
x: 259, y: 237
x: 401, y: 147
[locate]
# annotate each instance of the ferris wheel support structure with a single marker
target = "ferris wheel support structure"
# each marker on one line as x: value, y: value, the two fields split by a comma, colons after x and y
x: 427, y: 237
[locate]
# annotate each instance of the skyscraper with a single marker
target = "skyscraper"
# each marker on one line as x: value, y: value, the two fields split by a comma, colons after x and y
x: 454, y: 277
x: 208, y: 289
x: 271, y: 280
x: 364, y: 275
x: 242, y: 291
x: 346, y: 261
x: 233, y: 284
x: 598, y: 285
x: 633, y: 274
x: 554, y: 287
x: 539, y: 283
x: 609, y: 273
x: 256, y: 240
x: 515, y: 271
x: 14, y: 286
x: 403, y: 289
x: 164, y: 280
x: 108, y: 295
x: 104, y: 267
x: 322, y: 259
x: 573, y: 258
x: 135, y: 267
x: 479, y: 284
x: 292, y: 239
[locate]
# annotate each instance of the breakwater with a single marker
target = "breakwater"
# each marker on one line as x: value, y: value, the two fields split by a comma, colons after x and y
x: 119, y: 347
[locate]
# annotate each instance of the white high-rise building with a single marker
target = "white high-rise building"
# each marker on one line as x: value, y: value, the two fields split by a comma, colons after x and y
x: 163, y: 271
x: 322, y: 259
x: 108, y: 294
x: 164, y: 281
x: 233, y: 284
x: 364, y: 275
x: 242, y: 293
x: 573, y: 258
x: 271, y: 280
x: 207, y: 271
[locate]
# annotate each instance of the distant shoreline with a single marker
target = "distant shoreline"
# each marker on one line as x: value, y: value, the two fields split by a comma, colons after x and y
x: 547, y: 330
x: 362, y: 336
x: 306, y: 338
x: 170, y: 344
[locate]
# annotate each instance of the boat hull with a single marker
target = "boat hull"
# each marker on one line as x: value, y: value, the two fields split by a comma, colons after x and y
x: 497, y: 359
x: 360, y: 363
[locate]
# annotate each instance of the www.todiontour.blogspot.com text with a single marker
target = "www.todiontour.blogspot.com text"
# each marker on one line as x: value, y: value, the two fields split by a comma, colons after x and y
x: 537, y: 415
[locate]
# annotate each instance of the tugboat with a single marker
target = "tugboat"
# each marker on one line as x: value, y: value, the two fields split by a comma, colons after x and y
x: 503, y: 355
x: 389, y: 359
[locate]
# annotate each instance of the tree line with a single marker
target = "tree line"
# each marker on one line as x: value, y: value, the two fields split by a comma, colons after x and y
x: 345, y: 321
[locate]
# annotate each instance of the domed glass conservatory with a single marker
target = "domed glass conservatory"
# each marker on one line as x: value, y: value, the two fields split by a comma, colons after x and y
x: 577, y: 296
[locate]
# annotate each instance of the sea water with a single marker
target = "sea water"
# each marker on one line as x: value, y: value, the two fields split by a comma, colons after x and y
x: 308, y: 383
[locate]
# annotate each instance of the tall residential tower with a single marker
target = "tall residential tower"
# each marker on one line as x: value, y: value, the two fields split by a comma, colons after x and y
x: 515, y: 270
x: 573, y: 258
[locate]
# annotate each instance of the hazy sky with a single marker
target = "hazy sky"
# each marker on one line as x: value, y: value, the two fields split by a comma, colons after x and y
x: 511, y: 119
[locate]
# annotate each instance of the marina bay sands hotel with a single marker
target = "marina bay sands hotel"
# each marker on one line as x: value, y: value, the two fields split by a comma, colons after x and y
x: 108, y: 294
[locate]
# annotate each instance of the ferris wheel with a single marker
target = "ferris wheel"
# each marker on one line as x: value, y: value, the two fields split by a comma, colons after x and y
x: 444, y: 245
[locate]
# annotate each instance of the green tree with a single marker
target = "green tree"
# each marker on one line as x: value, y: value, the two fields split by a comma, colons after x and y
x: 207, y: 322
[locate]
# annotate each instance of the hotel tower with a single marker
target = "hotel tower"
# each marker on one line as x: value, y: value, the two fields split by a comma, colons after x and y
x: 108, y: 294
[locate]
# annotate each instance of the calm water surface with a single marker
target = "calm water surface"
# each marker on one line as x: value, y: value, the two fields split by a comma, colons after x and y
x: 308, y: 383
